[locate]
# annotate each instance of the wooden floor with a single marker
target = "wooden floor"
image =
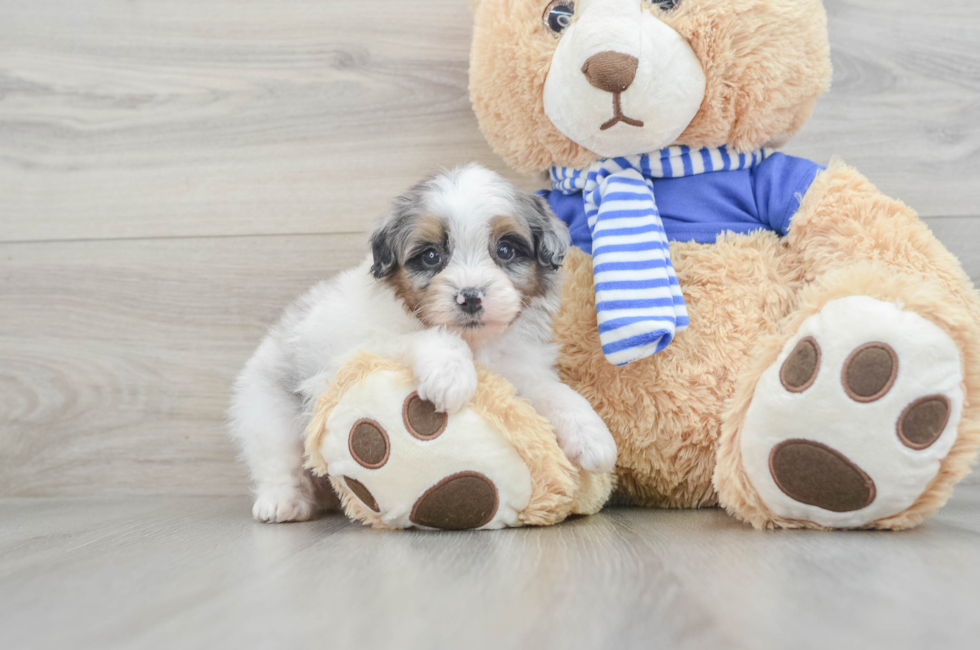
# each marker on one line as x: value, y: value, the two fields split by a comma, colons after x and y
x: 194, y: 572
x: 174, y: 172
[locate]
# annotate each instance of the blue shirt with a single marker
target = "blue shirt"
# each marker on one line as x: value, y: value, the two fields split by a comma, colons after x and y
x: 699, y: 208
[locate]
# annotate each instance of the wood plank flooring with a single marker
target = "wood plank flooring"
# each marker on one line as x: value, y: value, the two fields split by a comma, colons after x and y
x: 179, y: 572
x: 174, y: 172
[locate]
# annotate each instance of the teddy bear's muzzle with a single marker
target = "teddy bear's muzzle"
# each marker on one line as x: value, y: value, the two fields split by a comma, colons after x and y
x: 622, y: 81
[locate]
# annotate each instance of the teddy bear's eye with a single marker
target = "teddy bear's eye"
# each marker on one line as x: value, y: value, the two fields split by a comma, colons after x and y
x: 558, y: 15
x: 666, y: 5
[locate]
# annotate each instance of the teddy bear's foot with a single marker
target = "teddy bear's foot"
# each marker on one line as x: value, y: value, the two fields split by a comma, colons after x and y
x: 851, y: 423
x: 410, y: 465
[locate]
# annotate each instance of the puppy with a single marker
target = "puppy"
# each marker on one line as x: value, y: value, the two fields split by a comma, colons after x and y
x: 465, y: 269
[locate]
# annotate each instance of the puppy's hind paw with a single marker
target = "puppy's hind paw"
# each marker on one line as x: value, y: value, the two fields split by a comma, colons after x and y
x: 282, y: 504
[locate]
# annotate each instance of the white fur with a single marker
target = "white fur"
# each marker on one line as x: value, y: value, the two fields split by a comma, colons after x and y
x: 277, y: 388
x: 666, y: 94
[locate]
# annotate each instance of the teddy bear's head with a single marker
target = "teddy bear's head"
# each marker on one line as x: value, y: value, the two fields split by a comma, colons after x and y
x: 565, y: 82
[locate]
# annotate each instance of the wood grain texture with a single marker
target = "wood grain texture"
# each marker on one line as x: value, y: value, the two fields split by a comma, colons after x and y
x: 220, y: 117
x: 197, y: 573
x: 904, y: 107
x: 116, y: 358
x: 173, y: 173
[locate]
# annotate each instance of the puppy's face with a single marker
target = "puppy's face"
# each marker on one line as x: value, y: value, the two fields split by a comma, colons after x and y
x: 468, y: 251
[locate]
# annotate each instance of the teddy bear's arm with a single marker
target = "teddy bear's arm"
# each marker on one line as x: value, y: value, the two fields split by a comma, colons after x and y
x: 844, y: 219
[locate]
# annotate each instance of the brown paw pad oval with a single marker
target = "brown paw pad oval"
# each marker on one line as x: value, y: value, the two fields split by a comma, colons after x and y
x: 368, y: 444
x: 362, y: 493
x: 870, y: 372
x: 799, y: 371
x: 924, y: 421
x: 820, y: 476
x: 459, y: 502
x: 421, y: 418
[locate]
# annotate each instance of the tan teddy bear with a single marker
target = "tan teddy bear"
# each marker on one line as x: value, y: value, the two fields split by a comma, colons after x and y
x: 757, y: 331
x: 396, y: 462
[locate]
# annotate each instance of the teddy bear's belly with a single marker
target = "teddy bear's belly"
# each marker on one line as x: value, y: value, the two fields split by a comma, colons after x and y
x: 665, y: 411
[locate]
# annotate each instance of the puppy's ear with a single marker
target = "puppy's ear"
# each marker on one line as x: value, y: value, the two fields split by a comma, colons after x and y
x: 551, y: 238
x: 382, y: 247
x: 391, y: 235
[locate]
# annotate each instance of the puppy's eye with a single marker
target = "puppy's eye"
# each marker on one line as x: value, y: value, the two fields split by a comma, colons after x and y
x: 665, y: 5
x: 431, y: 257
x: 558, y: 15
x: 505, y: 252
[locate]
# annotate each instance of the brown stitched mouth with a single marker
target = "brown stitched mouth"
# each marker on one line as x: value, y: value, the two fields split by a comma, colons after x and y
x: 618, y: 115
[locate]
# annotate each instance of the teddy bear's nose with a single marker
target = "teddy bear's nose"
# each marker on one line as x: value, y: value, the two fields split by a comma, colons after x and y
x: 611, y: 71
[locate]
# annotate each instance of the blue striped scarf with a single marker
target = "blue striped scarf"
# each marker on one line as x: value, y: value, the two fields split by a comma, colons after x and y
x: 639, y: 303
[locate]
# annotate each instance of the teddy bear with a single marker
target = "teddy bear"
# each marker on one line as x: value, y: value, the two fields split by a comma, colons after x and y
x: 759, y: 332
x: 396, y: 462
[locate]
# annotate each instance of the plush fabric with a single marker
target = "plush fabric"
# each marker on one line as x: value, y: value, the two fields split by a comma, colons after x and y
x: 498, y: 435
x: 849, y: 240
x: 765, y: 62
x: 665, y: 411
x: 698, y: 208
x: 830, y: 374
x: 749, y: 294
x: 828, y: 451
x: 639, y: 304
x: 622, y: 82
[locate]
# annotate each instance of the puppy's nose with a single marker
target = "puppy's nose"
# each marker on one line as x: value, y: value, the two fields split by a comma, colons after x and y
x: 611, y: 71
x: 470, y: 300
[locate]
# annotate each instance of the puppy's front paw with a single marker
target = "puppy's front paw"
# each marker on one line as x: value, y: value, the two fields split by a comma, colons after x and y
x: 585, y: 439
x: 282, y: 504
x: 447, y: 381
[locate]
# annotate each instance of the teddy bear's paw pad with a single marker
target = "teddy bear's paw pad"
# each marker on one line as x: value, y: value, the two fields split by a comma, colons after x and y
x: 821, y: 476
x: 870, y: 372
x: 851, y: 423
x: 460, y: 502
x: 411, y: 465
x: 421, y: 418
x: 362, y: 493
x: 800, y: 370
x: 924, y: 421
x: 368, y: 444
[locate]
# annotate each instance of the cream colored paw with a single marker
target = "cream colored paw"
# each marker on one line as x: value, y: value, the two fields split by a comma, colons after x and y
x: 282, y: 504
x: 850, y: 425
x: 411, y: 465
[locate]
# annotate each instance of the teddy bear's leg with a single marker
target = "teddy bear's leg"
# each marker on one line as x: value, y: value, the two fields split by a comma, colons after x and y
x: 398, y: 463
x: 857, y: 412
